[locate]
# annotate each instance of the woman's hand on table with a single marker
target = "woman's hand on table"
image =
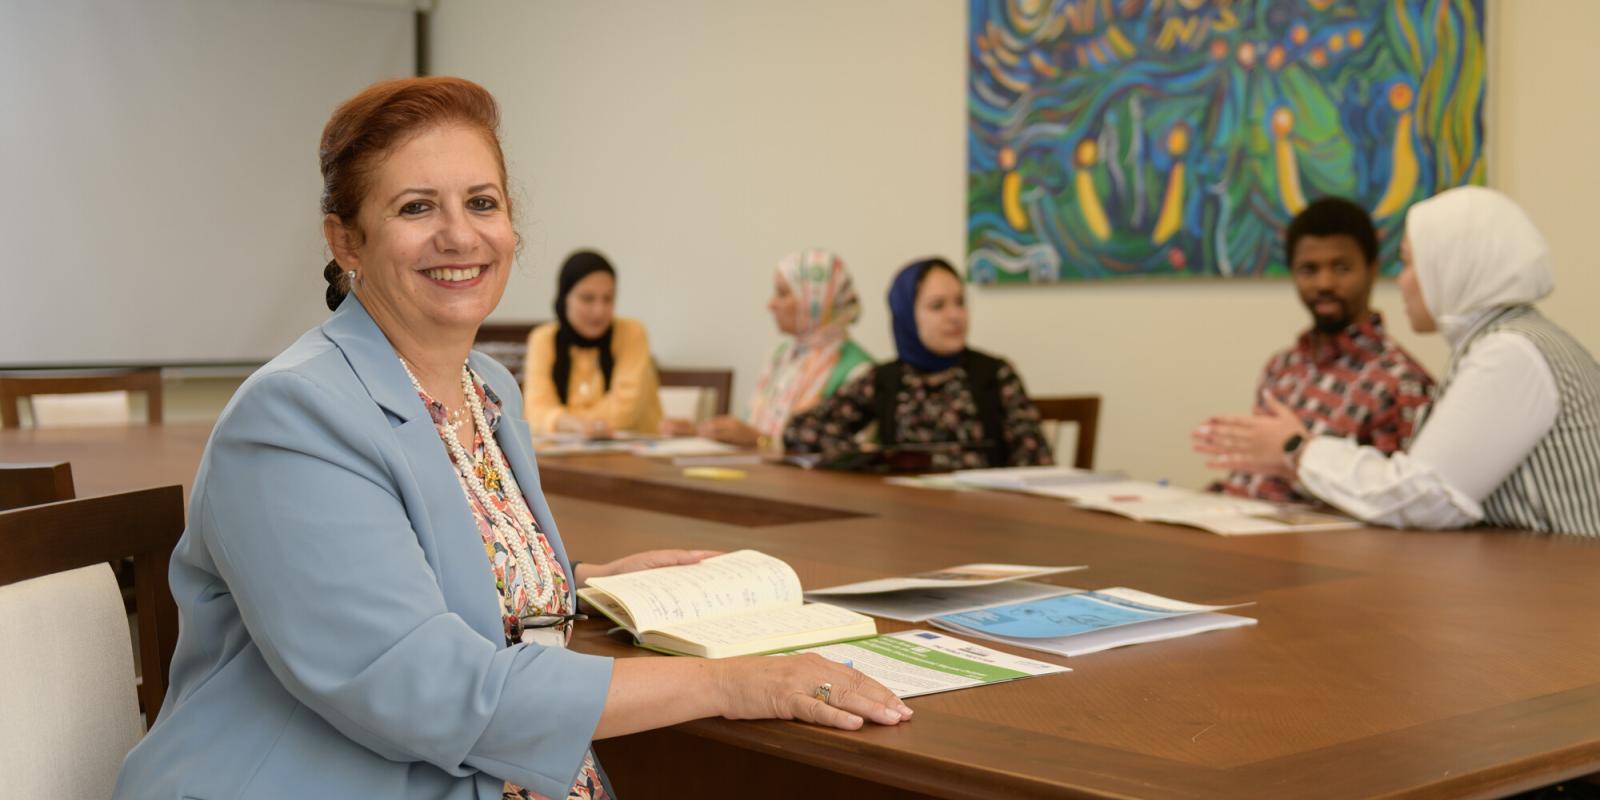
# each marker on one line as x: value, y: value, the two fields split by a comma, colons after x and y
x: 730, y: 430
x: 675, y: 426
x: 592, y: 428
x: 785, y: 687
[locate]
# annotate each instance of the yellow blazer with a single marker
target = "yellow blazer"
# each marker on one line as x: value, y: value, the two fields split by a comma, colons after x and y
x: 632, y: 403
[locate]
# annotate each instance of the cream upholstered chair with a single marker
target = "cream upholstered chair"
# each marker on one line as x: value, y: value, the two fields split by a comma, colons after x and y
x: 57, y: 398
x: 66, y: 684
x: 77, y: 410
x: 69, y: 700
x: 695, y: 394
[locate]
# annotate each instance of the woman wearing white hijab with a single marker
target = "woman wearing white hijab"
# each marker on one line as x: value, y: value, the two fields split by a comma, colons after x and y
x: 1513, y: 439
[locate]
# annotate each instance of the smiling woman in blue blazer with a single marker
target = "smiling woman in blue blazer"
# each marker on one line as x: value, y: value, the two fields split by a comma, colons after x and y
x: 372, y: 589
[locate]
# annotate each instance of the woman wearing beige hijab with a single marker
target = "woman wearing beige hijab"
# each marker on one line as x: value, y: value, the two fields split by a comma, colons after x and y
x: 1513, y: 439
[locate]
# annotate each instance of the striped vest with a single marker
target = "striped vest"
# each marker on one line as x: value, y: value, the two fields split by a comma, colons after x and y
x: 1557, y: 488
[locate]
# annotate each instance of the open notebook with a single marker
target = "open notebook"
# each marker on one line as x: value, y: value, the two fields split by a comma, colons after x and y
x: 736, y: 604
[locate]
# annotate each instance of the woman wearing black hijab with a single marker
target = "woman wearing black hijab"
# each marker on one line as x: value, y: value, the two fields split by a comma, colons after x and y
x: 590, y: 371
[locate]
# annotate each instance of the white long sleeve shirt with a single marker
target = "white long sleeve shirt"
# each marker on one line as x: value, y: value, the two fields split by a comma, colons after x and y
x: 1501, y: 402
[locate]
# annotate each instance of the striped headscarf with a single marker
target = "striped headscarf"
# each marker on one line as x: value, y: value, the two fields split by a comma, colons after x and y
x: 794, y: 378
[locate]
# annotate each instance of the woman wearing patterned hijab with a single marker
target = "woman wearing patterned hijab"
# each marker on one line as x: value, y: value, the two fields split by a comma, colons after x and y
x: 1513, y: 438
x: 966, y: 408
x: 814, y: 301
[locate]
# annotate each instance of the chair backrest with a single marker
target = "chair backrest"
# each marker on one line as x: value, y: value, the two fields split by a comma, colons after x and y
x: 66, y: 684
x: 715, y: 380
x: 1082, y: 410
x: 693, y: 403
x: 23, y: 386
x: 34, y: 484
x: 507, y: 343
x: 42, y: 540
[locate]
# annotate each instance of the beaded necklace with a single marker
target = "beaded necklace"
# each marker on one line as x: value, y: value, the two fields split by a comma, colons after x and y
x: 490, y: 474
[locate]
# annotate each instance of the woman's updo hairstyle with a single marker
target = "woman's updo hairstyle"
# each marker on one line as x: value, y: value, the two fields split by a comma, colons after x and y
x: 385, y: 115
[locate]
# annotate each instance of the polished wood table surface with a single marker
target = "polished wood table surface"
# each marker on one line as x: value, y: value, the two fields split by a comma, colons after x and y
x: 1385, y: 664
x: 106, y: 460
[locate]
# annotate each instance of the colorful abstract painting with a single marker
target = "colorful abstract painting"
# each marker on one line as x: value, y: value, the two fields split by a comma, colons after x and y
x: 1143, y: 138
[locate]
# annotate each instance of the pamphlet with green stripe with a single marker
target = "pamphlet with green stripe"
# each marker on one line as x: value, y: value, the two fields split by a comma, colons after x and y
x: 917, y: 662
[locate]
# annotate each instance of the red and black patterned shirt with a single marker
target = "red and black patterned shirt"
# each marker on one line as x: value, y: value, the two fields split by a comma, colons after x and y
x: 1358, y: 384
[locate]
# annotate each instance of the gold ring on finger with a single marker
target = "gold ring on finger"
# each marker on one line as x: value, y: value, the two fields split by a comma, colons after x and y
x: 823, y: 692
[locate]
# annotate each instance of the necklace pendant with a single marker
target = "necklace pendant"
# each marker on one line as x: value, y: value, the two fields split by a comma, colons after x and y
x: 490, y: 475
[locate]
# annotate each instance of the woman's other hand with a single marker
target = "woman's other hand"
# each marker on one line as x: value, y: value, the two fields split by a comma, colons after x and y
x: 649, y: 559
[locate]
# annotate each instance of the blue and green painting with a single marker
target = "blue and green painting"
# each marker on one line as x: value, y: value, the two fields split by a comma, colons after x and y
x: 1144, y: 138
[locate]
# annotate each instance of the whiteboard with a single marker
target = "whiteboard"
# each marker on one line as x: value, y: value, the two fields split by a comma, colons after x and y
x: 159, y: 189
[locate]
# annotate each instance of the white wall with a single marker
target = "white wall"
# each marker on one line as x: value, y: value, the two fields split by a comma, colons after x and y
x: 159, y: 160
x: 697, y: 141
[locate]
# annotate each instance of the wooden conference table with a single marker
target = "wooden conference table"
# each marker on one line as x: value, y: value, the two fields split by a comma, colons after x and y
x: 1459, y: 664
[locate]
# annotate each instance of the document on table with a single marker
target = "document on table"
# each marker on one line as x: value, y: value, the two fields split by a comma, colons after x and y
x: 1027, y: 479
x: 962, y: 575
x: 912, y: 663
x: 681, y: 447
x: 917, y: 605
x: 1210, y: 511
x: 565, y: 444
x: 939, y: 481
x: 1085, y: 622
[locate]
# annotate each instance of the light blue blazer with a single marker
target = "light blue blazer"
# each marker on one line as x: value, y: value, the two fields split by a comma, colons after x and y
x: 341, y: 635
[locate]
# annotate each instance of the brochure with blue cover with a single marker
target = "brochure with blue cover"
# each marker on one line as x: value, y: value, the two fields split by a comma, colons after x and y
x: 1084, y: 622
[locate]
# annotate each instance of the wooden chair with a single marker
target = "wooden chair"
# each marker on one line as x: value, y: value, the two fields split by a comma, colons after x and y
x: 54, y: 538
x: 34, y: 484
x: 22, y: 386
x: 507, y: 343
x: 719, y: 381
x: 1084, y: 411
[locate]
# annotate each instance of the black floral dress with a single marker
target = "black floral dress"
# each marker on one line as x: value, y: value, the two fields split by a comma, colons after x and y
x: 930, y: 408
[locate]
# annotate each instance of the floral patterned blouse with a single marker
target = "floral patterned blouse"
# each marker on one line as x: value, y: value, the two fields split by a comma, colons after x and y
x: 931, y: 408
x: 516, y: 600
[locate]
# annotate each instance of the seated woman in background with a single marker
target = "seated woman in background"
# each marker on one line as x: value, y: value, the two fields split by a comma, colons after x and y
x: 1513, y: 439
x: 940, y: 391
x: 815, y: 302
x: 590, y: 371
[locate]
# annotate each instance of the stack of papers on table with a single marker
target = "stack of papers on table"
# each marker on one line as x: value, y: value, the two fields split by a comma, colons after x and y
x: 1218, y: 513
x: 1028, y: 479
x: 682, y: 447
x: 912, y: 663
x: 567, y: 444
x: 1080, y: 622
x: 914, y: 598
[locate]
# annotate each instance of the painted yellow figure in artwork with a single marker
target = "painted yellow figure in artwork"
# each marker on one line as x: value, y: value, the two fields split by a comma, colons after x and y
x: 1011, y: 191
x: 1403, y: 173
x: 1294, y: 198
x: 1094, y: 214
x: 1171, y: 218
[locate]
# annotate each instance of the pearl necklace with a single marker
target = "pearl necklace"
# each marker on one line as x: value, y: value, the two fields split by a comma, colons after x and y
x: 537, y: 571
